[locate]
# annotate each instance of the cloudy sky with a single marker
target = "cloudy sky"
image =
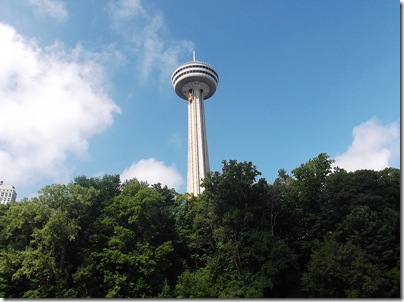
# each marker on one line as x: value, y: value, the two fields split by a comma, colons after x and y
x: 85, y: 86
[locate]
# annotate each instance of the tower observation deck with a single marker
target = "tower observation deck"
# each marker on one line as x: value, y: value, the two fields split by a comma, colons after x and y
x: 195, y: 82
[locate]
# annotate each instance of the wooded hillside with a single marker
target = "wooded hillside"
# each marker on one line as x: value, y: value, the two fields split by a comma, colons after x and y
x: 319, y: 232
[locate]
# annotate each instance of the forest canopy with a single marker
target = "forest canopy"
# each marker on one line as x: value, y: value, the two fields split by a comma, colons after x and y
x: 317, y: 232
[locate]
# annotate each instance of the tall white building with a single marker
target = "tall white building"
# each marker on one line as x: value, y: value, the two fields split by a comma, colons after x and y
x: 7, y: 193
x: 195, y: 82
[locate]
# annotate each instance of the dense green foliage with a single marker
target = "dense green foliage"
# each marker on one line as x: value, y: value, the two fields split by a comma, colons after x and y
x: 319, y: 232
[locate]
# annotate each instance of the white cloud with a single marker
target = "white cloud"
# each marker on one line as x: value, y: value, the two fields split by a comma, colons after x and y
x: 374, y: 146
x: 124, y: 9
x: 53, y: 8
x: 154, y: 171
x: 145, y: 30
x: 51, y: 102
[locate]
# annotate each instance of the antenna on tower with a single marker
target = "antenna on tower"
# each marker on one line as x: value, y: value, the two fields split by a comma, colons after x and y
x: 193, y: 55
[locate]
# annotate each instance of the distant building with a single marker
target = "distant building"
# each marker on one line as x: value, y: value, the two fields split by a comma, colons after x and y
x: 7, y: 193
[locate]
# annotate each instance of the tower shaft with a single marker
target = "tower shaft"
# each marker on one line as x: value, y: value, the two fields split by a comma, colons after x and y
x: 198, y: 159
x: 196, y: 82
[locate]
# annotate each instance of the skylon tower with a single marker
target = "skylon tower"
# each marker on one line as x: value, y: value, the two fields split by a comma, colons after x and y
x: 195, y: 82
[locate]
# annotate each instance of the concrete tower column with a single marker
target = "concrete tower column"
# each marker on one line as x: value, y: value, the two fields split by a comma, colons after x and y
x: 195, y: 82
x: 198, y: 158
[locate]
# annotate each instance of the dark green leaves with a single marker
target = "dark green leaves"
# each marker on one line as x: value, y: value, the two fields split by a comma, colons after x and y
x: 319, y: 232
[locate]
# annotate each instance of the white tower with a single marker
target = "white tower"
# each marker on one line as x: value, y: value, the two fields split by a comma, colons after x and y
x: 195, y: 82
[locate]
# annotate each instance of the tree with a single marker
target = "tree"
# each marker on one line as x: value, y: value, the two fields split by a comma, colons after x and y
x: 309, y: 186
x: 88, y: 278
x: 41, y: 235
x: 234, y: 223
x: 319, y: 232
x: 139, y: 253
x: 359, y: 213
x: 19, y: 262
x: 343, y: 271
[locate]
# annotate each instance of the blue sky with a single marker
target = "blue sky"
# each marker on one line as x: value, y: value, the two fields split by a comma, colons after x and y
x: 85, y: 86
